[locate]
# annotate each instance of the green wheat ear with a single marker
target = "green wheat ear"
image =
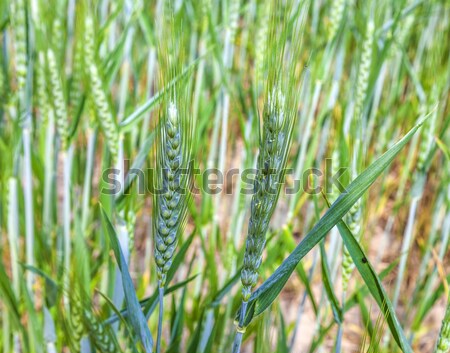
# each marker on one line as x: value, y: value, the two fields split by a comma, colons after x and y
x: 104, y: 113
x: 336, y: 15
x: 278, y: 118
x: 173, y: 168
x: 173, y: 180
x: 59, y: 101
x: 44, y: 104
x: 274, y: 147
x: 173, y: 150
x: 19, y: 21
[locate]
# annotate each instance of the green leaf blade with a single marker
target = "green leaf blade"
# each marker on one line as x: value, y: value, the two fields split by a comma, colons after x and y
x: 137, y: 318
x: 271, y: 288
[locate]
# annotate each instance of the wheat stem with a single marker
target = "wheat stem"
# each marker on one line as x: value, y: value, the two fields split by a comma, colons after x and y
x: 160, y: 316
x: 240, y: 328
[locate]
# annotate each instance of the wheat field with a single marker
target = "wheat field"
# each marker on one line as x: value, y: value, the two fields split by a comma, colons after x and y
x: 224, y: 176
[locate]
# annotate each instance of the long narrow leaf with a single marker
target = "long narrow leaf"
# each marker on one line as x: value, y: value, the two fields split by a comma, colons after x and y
x: 374, y: 284
x: 336, y: 308
x: 271, y: 288
x: 136, y: 317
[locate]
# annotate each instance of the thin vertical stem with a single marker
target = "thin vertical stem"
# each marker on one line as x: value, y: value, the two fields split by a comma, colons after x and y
x: 67, y: 157
x: 28, y: 195
x: 160, y: 317
x: 240, y: 330
x: 91, y: 138
x: 407, y: 240
x: 13, y: 237
x: 49, y: 172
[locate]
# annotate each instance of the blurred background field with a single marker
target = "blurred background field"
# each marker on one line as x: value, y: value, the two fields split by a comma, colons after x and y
x: 80, y: 92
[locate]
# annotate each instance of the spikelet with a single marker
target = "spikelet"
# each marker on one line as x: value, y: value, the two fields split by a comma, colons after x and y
x: 233, y: 18
x: 89, y: 57
x: 88, y: 43
x: 19, y: 21
x: 76, y: 323
x: 364, y: 69
x: 41, y: 85
x: 58, y: 36
x: 100, y: 336
x: 130, y: 224
x: 443, y: 343
x: 103, y: 112
x: 88, y: 54
x: 354, y: 224
x: 59, y: 103
x: 206, y: 10
x: 75, y: 92
x: 336, y: 15
x: 171, y: 204
x: 271, y: 162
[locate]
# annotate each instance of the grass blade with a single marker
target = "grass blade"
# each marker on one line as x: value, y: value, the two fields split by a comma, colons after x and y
x: 374, y: 284
x: 271, y: 288
x: 136, y: 317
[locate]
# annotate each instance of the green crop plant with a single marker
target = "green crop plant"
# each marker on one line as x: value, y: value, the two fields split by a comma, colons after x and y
x: 224, y: 176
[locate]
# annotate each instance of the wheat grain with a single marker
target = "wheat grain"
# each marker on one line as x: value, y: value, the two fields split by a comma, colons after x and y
x: 76, y: 322
x: 233, y: 18
x: 41, y: 83
x: 88, y: 43
x: 59, y: 102
x: 104, y: 113
x: 75, y: 93
x: 336, y: 15
x: 364, y: 70
x: 58, y: 36
x: 19, y: 20
x: 130, y: 224
x: 100, y: 336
